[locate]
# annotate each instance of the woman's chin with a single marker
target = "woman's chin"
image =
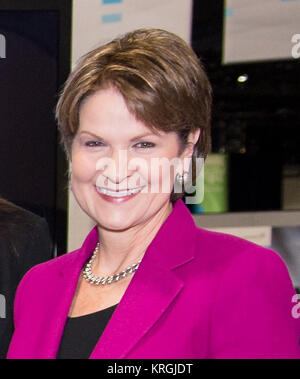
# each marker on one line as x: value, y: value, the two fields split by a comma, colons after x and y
x: 115, y: 221
x: 116, y: 227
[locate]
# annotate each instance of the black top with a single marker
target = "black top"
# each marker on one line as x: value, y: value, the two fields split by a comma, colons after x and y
x: 81, y: 334
x: 24, y: 242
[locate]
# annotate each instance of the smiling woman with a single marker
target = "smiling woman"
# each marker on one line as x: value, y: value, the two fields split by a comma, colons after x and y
x: 161, y: 91
x: 117, y: 183
x: 131, y: 113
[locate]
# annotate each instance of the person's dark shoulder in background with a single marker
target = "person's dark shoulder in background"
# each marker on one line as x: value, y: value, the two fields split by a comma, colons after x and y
x: 24, y: 242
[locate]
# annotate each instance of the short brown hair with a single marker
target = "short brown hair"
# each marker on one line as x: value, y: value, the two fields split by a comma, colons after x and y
x: 161, y: 79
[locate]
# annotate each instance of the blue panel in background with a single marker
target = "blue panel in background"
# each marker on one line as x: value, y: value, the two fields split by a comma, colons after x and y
x: 105, y: 2
x: 111, y: 18
x: 229, y: 12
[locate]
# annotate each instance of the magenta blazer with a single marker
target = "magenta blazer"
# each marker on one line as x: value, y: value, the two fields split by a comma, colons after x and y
x: 196, y: 294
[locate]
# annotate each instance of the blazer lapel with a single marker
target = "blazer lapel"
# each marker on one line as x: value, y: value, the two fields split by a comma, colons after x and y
x: 147, y: 297
x: 153, y: 288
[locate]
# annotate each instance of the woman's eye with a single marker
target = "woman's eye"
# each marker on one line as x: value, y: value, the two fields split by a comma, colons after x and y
x: 140, y: 145
x: 145, y: 145
x: 93, y: 144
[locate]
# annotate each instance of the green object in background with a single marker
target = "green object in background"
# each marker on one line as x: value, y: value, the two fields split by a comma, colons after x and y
x: 215, y: 185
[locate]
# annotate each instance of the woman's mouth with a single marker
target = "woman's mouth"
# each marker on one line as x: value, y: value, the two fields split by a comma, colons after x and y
x: 118, y: 196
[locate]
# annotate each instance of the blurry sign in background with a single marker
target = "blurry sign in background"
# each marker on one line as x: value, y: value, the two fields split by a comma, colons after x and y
x: 96, y: 22
x: 260, y: 29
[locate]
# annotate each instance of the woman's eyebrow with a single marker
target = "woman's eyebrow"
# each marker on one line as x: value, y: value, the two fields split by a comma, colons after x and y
x: 143, y: 135
x: 131, y: 140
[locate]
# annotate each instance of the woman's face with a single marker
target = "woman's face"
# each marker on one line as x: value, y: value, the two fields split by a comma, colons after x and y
x: 112, y: 153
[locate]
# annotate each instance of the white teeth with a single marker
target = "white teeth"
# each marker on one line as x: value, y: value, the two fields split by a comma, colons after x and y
x: 120, y: 193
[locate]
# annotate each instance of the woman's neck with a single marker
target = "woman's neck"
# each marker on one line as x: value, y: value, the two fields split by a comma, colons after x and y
x: 120, y: 249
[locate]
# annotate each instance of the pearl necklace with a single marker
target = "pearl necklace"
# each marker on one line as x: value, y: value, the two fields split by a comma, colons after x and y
x: 92, y: 279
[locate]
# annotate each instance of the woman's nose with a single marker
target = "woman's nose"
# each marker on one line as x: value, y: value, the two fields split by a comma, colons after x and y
x: 114, y: 169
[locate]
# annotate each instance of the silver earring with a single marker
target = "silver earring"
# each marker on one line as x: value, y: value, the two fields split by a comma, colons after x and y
x: 181, y: 178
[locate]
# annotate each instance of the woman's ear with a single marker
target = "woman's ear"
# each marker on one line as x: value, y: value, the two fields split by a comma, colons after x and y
x: 195, y: 136
x: 192, y: 140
